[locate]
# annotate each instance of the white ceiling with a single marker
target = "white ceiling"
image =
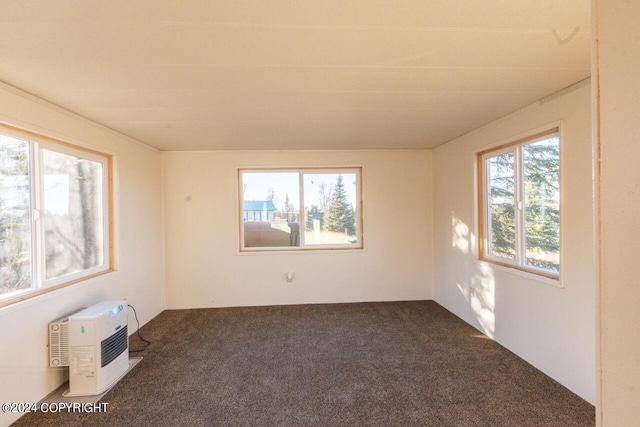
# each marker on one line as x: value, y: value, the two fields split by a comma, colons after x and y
x: 293, y: 74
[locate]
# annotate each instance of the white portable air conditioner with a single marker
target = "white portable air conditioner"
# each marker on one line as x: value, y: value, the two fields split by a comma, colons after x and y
x: 98, y: 348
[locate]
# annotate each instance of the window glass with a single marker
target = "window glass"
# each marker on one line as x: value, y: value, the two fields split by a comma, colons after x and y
x: 54, y: 214
x: 330, y: 208
x: 520, y: 201
x: 274, y: 217
x: 501, y: 201
x: 271, y: 209
x: 15, y: 217
x: 73, y: 213
x: 542, y: 203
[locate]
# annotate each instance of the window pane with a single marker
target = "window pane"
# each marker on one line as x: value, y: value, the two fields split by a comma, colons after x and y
x: 271, y: 209
x: 15, y: 218
x: 542, y: 203
x: 73, y: 214
x: 500, y: 206
x: 330, y: 208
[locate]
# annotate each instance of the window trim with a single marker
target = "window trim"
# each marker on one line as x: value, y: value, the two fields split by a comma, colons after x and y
x: 303, y: 248
x: 483, y: 254
x: 42, y: 285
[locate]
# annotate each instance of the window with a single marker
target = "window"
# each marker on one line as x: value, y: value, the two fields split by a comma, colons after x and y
x: 54, y: 214
x: 519, y: 195
x: 300, y: 209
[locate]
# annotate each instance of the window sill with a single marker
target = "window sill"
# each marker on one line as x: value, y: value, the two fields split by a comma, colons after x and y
x: 36, y: 295
x: 528, y: 275
x: 299, y: 251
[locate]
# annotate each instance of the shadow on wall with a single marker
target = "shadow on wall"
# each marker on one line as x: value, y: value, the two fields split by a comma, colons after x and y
x: 474, y: 280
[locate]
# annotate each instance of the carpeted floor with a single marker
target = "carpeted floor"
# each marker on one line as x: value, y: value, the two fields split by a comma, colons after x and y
x: 370, y: 364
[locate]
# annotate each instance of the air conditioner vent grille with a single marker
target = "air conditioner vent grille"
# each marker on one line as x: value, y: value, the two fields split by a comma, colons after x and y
x: 59, y: 344
x: 113, y: 346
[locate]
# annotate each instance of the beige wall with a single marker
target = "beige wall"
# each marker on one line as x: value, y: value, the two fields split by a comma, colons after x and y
x: 203, y: 267
x: 24, y: 372
x: 553, y: 328
x: 618, y: 69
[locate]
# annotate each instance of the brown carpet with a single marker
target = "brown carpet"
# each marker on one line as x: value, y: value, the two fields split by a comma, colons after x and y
x: 370, y: 364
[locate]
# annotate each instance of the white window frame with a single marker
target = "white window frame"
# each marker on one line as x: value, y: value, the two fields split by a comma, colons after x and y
x: 484, y: 223
x: 358, y: 170
x: 39, y: 284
